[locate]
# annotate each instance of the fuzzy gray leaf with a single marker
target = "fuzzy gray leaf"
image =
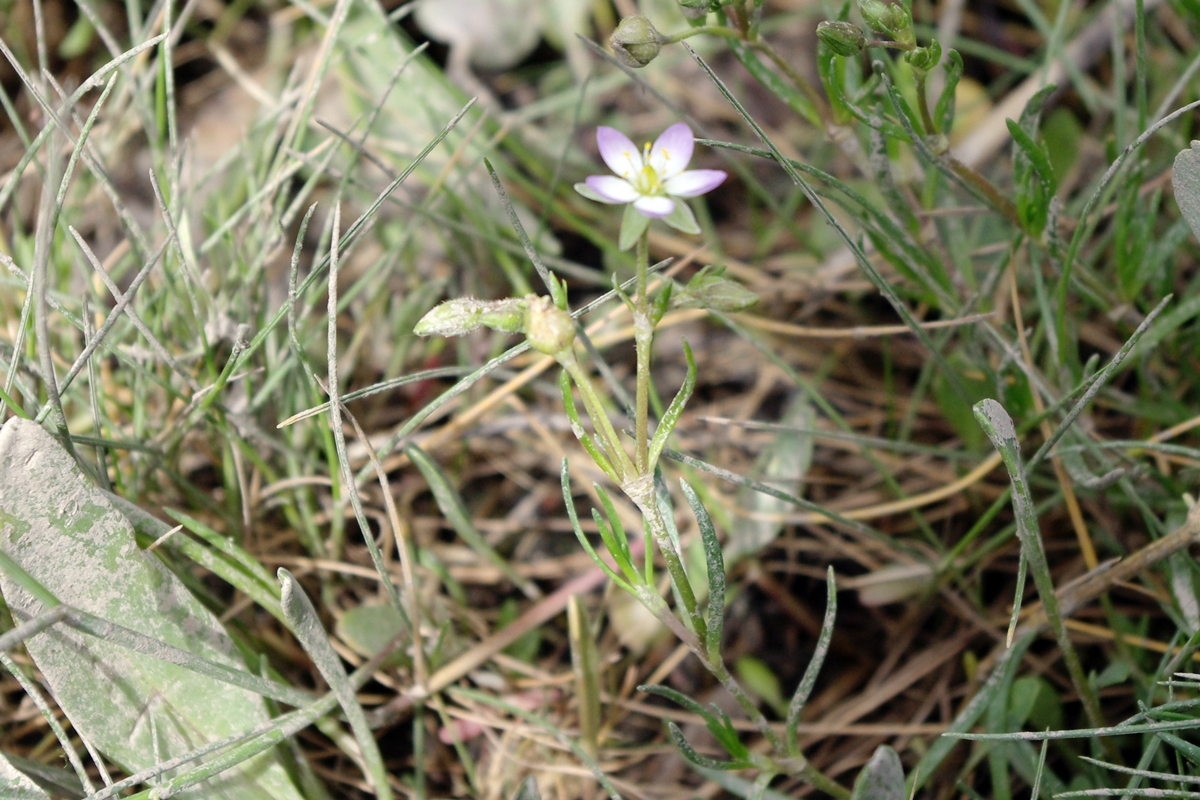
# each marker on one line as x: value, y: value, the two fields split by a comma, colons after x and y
x: 1186, y: 178
x: 136, y: 709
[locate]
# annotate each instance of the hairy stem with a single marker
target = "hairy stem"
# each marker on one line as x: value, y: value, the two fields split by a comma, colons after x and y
x: 642, y: 494
x: 643, y: 337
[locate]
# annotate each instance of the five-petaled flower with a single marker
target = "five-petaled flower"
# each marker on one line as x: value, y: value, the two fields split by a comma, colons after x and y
x: 652, y: 178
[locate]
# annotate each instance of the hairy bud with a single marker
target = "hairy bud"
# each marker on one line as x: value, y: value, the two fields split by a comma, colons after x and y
x: 465, y: 314
x: 548, y: 328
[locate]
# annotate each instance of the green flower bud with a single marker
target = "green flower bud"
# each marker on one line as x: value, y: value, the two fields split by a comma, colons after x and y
x: 891, y: 19
x: 900, y: 25
x: 923, y: 59
x: 636, y: 42
x: 548, y: 328
x: 842, y: 38
x: 709, y: 288
x: 874, y: 14
x: 465, y: 314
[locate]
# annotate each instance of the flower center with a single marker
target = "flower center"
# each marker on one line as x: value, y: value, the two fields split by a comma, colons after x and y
x: 647, y: 181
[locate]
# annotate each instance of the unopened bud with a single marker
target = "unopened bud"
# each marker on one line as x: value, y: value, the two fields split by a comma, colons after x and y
x: 548, y: 328
x: 843, y: 38
x: 923, y: 59
x: 893, y: 19
x: 874, y: 14
x: 465, y: 314
x: 636, y: 42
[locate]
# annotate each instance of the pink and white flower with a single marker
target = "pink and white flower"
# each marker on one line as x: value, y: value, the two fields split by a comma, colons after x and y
x: 652, y: 178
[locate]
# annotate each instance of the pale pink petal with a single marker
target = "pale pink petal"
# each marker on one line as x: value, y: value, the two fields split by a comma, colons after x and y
x: 655, y: 206
x: 694, y: 182
x: 464, y: 730
x: 618, y: 152
x: 672, y: 151
x: 612, y: 189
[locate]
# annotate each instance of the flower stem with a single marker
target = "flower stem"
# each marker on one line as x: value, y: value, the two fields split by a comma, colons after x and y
x: 643, y: 337
x: 919, y: 78
x: 714, y: 30
x: 595, y: 410
x: 643, y: 495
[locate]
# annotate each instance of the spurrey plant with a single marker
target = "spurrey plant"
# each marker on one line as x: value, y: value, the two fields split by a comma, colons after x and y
x: 652, y: 182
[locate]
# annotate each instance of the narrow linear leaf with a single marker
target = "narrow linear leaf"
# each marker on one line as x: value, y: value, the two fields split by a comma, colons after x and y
x: 809, y: 680
x: 690, y: 754
x: 675, y: 410
x: 311, y: 635
x: 582, y: 537
x: 715, y: 561
x: 451, y: 504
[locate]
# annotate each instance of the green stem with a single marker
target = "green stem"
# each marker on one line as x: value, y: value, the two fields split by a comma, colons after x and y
x: 595, y: 410
x: 919, y: 76
x: 643, y: 337
x: 802, y: 83
x: 642, y: 494
x: 714, y: 30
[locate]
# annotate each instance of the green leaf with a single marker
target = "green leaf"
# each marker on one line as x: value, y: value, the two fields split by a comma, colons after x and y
x: 882, y: 778
x: 455, y: 510
x: 1034, y: 700
x: 16, y: 785
x: 956, y: 409
x: 1033, y: 176
x: 709, y: 288
x: 671, y: 416
x: 368, y: 629
x: 782, y: 466
x: 584, y: 662
x: 1185, y: 177
x: 943, y: 113
x: 579, y: 534
x: 689, y: 753
x: 633, y: 225
x: 681, y: 218
x: 308, y: 630
x: 761, y: 681
x: 809, y: 680
x: 715, y: 563
x: 528, y: 790
x: 135, y: 709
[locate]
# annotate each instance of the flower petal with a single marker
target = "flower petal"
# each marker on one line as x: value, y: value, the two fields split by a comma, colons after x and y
x: 618, y: 152
x: 655, y: 206
x: 612, y: 189
x: 672, y: 151
x: 694, y: 182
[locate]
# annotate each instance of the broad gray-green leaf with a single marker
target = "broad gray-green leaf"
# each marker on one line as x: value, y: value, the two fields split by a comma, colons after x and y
x: 782, y: 466
x: 493, y: 34
x: 368, y: 629
x: 882, y: 778
x: 136, y: 710
x: 16, y: 785
x: 1186, y: 179
x: 55, y: 780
